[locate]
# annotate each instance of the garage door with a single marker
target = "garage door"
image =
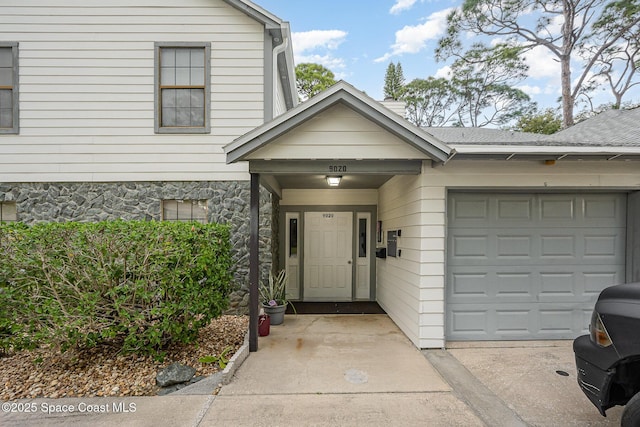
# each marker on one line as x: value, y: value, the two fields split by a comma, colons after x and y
x: 530, y: 266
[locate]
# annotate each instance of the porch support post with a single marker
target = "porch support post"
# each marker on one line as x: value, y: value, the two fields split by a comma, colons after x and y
x: 254, y: 261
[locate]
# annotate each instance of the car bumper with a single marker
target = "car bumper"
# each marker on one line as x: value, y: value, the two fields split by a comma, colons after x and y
x: 594, y: 379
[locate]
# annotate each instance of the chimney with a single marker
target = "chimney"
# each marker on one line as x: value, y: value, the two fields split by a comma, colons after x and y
x: 397, y: 107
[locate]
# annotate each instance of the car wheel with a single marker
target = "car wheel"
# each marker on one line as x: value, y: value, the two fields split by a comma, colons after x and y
x: 631, y: 413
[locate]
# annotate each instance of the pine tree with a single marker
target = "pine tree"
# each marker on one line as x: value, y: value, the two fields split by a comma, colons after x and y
x: 393, y: 82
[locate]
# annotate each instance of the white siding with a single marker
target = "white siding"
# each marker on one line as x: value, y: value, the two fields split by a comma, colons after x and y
x: 417, y: 274
x: 338, y: 133
x: 87, y: 89
x: 411, y: 288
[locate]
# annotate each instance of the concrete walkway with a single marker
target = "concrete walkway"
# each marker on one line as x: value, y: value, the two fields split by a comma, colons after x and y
x: 354, y: 370
x: 351, y: 370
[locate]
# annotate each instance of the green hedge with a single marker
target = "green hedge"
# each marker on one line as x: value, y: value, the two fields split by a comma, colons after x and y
x: 139, y: 285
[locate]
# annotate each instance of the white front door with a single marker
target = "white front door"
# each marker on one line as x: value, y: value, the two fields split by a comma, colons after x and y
x: 328, y: 262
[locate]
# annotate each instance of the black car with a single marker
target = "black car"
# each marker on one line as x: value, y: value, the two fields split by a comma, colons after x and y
x: 608, y: 359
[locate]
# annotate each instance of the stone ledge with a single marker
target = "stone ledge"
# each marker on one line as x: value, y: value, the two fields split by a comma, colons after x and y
x: 211, y: 383
x: 236, y: 361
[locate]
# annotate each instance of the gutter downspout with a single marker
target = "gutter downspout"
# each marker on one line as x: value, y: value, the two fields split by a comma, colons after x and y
x: 277, y: 51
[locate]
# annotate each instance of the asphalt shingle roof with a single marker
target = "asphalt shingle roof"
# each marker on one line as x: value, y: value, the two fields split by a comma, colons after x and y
x: 612, y: 128
x: 609, y: 128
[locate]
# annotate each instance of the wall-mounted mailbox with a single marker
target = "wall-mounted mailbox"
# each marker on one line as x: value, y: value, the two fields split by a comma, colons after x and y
x: 381, y: 253
x: 392, y: 243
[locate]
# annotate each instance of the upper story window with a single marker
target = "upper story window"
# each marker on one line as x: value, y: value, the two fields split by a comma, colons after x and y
x: 8, y: 212
x: 183, y: 87
x: 9, y: 122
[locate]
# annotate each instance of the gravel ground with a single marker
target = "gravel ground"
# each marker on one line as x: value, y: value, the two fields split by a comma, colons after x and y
x: 101, y: 371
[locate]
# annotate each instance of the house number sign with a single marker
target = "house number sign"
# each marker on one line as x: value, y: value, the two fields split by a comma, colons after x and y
x: 337, y: 168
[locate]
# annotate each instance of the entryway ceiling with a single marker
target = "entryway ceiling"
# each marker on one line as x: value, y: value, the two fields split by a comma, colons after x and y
x: 314, y: 182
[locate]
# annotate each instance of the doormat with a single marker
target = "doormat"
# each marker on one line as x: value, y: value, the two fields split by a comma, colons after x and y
x: 357, y: 307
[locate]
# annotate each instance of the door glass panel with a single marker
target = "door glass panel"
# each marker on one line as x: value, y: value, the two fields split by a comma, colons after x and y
x: 293, y: 237
x: 362, y: 237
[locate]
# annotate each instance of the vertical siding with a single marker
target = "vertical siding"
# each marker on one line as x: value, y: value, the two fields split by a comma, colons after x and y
x: 87, y: 89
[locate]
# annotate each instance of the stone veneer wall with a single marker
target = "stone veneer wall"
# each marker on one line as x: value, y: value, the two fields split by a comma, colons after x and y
x: 227, y: 201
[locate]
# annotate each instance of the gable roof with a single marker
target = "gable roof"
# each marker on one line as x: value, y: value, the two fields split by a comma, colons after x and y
x: 340, y: 93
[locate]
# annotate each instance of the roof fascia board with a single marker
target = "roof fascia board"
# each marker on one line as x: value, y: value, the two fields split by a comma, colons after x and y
x: 258, y: 137
x: 287, y: 72
x: 270, y: 21
x: 400, y: 127
x: 339, y: 93
x: 542, y: 149
x: 278, y: 30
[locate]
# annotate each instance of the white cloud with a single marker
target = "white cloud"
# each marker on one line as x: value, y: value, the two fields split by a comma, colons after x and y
x: 384, y: 57
x: 315, y: 47
x: 542, y: 63
x: 530, y: 90
x: 401, y: 5
x: 412, y: 39
x: 443, y: 73
x: 328, y: 61
x: 315, y: 39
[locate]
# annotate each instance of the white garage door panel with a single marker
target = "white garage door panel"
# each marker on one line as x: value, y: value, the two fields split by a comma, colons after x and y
x: 530, y: 266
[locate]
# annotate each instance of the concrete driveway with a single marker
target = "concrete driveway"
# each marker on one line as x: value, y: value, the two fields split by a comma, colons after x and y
x: 528, y: 378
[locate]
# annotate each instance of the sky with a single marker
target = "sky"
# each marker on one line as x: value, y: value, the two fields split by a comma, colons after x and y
x: 357, y: 39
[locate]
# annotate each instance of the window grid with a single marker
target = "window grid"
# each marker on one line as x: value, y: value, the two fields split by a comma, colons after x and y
x: 185, y: 210
x: 8, y: 87
x: 183, y: 82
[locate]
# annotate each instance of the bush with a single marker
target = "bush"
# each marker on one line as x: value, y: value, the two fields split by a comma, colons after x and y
x: 139, y: 285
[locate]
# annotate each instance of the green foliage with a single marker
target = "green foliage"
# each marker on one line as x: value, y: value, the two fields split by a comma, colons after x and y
x: 275, y: 289
x: 546, y: 122
x: 139, y: 285
x: 481, y: 91
x: 221, y: 360
x: 394, y: 82
x: 430, y: 102
x: 591, y: 30
x: 312, y: 79
x: 484, y: 81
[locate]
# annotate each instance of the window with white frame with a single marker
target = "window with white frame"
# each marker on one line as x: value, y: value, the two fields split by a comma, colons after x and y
x: 185, y: 210
x: 9, y: 117
x: 183, y: 88
x: 8, y: 212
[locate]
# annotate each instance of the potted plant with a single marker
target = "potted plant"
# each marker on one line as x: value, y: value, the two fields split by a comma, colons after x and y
x: 273, y: 296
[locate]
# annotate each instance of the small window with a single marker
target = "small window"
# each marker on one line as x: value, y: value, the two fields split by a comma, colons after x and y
x: 183, y: 87
x: 293, y: 237
x: 362, y: 238
x: 8, y: 212
x: 9, y: 123
x: 184, y: 210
